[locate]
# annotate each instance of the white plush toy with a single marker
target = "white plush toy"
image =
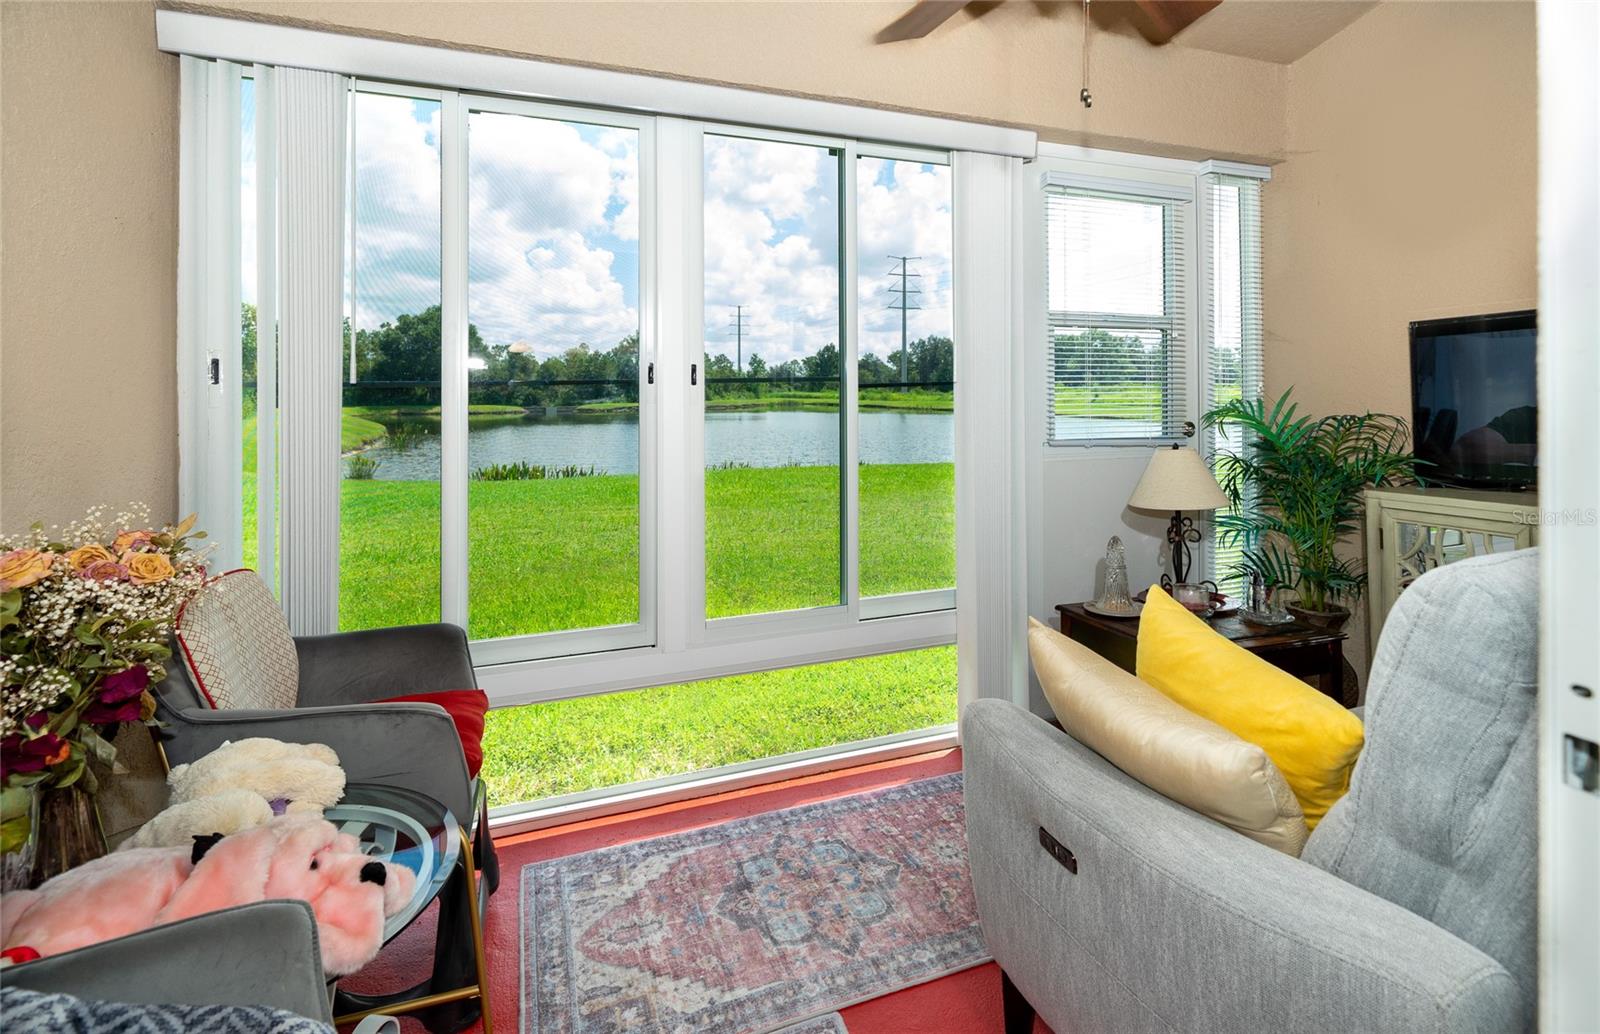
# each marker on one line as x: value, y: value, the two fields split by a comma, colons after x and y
x: 241, y: 785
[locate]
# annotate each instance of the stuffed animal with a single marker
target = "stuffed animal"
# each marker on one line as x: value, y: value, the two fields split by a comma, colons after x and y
x: 291, y: 856
x: 241, y: 785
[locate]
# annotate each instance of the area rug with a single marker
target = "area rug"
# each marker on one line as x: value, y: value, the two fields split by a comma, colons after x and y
x: 747, y: 926
x: 832, y: 1023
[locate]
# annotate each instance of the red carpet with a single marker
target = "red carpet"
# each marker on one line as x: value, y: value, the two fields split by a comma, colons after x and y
x: 966, y: 1003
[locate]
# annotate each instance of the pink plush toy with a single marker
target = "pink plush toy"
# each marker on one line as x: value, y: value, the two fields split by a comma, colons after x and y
x: 290, y: 857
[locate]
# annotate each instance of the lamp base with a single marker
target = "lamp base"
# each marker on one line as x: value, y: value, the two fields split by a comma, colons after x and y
x: 1180, y: 532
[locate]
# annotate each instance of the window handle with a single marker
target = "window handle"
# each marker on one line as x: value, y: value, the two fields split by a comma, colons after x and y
x: 694, y: 372
x: 650, y: 373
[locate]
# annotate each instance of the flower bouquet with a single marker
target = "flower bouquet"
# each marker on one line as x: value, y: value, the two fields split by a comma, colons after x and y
x: 84, y: 624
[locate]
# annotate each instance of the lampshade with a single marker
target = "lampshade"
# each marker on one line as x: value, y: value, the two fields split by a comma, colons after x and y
x: 1177, y: 479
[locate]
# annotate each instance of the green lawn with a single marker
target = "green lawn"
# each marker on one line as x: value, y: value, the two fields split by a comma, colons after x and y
x: 570, y: 745
x: 563, y: 553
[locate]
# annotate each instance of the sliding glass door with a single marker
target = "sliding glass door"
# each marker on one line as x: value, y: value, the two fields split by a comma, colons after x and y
x: 773, y: 376
x: 555, y: 446
x: 635, y: 400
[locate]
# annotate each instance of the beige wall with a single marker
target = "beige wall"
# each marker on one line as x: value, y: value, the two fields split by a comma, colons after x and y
x: 88, y: 239
x: 1408, y: 193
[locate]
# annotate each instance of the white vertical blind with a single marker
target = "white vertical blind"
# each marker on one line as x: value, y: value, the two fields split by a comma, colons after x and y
x: 312, y: 109
x: 1230, y: 322
x: 991, y: 583
x: 1116, y: 286
x: 208, y: 301
x: 266, y: 371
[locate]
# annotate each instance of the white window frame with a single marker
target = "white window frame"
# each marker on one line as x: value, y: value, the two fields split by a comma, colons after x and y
x: 671, y: 642
x: 1141, y: 179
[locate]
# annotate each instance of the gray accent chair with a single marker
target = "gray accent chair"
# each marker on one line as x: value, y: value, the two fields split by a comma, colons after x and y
x: 1413, y: 907
x: 343, y: 679
x: 263, y: 953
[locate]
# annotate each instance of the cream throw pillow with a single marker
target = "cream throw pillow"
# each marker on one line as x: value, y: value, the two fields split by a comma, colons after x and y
x: 1170, y: 749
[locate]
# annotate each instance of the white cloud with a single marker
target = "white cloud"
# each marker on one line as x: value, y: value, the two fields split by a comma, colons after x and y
x: 909, y: 216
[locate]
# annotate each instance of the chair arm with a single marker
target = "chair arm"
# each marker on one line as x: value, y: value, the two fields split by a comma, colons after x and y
x: 359, y: 667
x: 1174, y: 922
x: 263, y: 953
x: 410, y: 745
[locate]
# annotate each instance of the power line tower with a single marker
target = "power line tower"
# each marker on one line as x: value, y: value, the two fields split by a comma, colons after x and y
x: 737, y: 323
x: 905, y: 301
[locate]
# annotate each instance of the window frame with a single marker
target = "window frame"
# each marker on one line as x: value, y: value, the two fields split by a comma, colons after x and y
x: 1142, y: 180
x: 671, y: 642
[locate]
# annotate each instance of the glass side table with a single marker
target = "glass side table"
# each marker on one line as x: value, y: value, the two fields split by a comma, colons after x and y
x: 408, y: 828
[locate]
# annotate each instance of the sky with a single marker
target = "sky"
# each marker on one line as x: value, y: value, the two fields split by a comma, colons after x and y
x: 553, y: 235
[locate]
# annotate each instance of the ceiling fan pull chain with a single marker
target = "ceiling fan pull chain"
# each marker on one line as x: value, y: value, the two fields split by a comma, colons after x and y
x: 1083, y: 94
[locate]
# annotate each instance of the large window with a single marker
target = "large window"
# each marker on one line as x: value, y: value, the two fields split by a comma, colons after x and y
x: 633, y: 399
x: 1116, y: 287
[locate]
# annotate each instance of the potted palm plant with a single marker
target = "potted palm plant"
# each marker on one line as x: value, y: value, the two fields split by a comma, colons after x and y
x: 1295, y: 485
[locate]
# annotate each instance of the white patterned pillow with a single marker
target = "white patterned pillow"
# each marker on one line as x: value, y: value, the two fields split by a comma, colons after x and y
x: 236, y: 645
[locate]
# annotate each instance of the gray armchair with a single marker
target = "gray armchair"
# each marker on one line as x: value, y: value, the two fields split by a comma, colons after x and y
x: 343, y: 679
x: 264, y: 953
x: 1412, y: 908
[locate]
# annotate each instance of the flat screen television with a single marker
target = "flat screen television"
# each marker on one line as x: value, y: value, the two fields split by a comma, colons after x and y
x: 1474, y: 404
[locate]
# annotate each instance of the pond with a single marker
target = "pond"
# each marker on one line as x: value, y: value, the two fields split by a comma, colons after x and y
x: 610, y: 442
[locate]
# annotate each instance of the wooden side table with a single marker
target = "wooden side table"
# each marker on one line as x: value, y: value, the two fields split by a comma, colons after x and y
x: 1297, y: 648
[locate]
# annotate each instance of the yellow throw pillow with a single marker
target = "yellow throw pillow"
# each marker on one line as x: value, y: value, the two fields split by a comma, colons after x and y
x: 1173, y: 751
x: 1311, y: 738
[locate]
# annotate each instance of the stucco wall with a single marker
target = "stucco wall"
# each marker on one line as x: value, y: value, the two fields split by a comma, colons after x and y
x: 1408, y: 193
x: 88, y: 250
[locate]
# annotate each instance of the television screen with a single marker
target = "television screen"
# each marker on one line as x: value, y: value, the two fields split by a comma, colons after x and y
x: 1474, y: 400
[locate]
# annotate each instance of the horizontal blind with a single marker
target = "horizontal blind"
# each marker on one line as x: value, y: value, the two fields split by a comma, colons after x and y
x: 1231, y: 327
x: 1116, y: 295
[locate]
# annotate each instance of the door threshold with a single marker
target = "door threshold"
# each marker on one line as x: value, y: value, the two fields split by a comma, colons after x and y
x: 510, y: 819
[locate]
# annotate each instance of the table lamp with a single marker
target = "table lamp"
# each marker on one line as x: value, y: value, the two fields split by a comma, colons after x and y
x: 1176, y: 480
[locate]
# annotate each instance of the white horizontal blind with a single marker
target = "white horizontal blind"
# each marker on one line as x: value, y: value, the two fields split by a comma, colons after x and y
x: 1231, y: 323
x: 1116, y: 296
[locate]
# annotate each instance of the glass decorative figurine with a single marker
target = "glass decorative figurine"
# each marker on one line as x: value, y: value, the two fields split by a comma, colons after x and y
x: 1114, y: 598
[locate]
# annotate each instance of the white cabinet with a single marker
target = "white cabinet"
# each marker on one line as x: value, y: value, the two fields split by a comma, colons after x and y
x: 1411, y: 531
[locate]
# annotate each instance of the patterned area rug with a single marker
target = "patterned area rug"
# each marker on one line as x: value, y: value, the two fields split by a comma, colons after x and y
x: 745, y: 927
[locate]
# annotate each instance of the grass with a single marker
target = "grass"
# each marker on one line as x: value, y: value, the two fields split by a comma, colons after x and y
x: 563, y: 553
x: 571, y: 745
x: 555, y: 554
x: 1131, y: 401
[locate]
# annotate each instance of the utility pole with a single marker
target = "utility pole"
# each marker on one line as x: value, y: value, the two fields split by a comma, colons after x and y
x: 905, y: 301
x: 739, y: 326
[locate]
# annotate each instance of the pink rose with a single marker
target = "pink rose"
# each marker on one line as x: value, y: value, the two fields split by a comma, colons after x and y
x: 105, y: 571
x: 132, y: 540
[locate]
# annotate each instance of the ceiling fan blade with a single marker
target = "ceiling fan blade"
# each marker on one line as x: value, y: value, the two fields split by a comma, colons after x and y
x: 1157, y: 20
x: 923, y: 18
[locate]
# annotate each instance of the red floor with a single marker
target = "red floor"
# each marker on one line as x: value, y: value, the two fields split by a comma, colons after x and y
x: 966, y: 1003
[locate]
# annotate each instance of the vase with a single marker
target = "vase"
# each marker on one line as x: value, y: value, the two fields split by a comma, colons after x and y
x: 1331, y: 619
x: 16, y: 865
x: 69, y: 832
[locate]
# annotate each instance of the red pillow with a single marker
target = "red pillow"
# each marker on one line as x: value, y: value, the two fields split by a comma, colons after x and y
x: 466, y: 708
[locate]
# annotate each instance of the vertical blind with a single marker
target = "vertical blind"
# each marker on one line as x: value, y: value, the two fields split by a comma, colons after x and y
x: 1231, y: 323
x: 1116, y: 290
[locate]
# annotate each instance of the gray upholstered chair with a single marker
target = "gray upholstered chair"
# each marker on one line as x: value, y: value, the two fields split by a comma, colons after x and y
x: 264, y: 953
x: 340, y: 683
x: 1412, y: 908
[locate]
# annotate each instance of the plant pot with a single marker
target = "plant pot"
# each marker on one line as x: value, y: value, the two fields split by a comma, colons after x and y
x: 69, y: 832
x: 1332, y: 619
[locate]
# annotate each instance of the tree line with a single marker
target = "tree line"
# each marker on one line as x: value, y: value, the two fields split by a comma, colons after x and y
x: 397, y: 363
